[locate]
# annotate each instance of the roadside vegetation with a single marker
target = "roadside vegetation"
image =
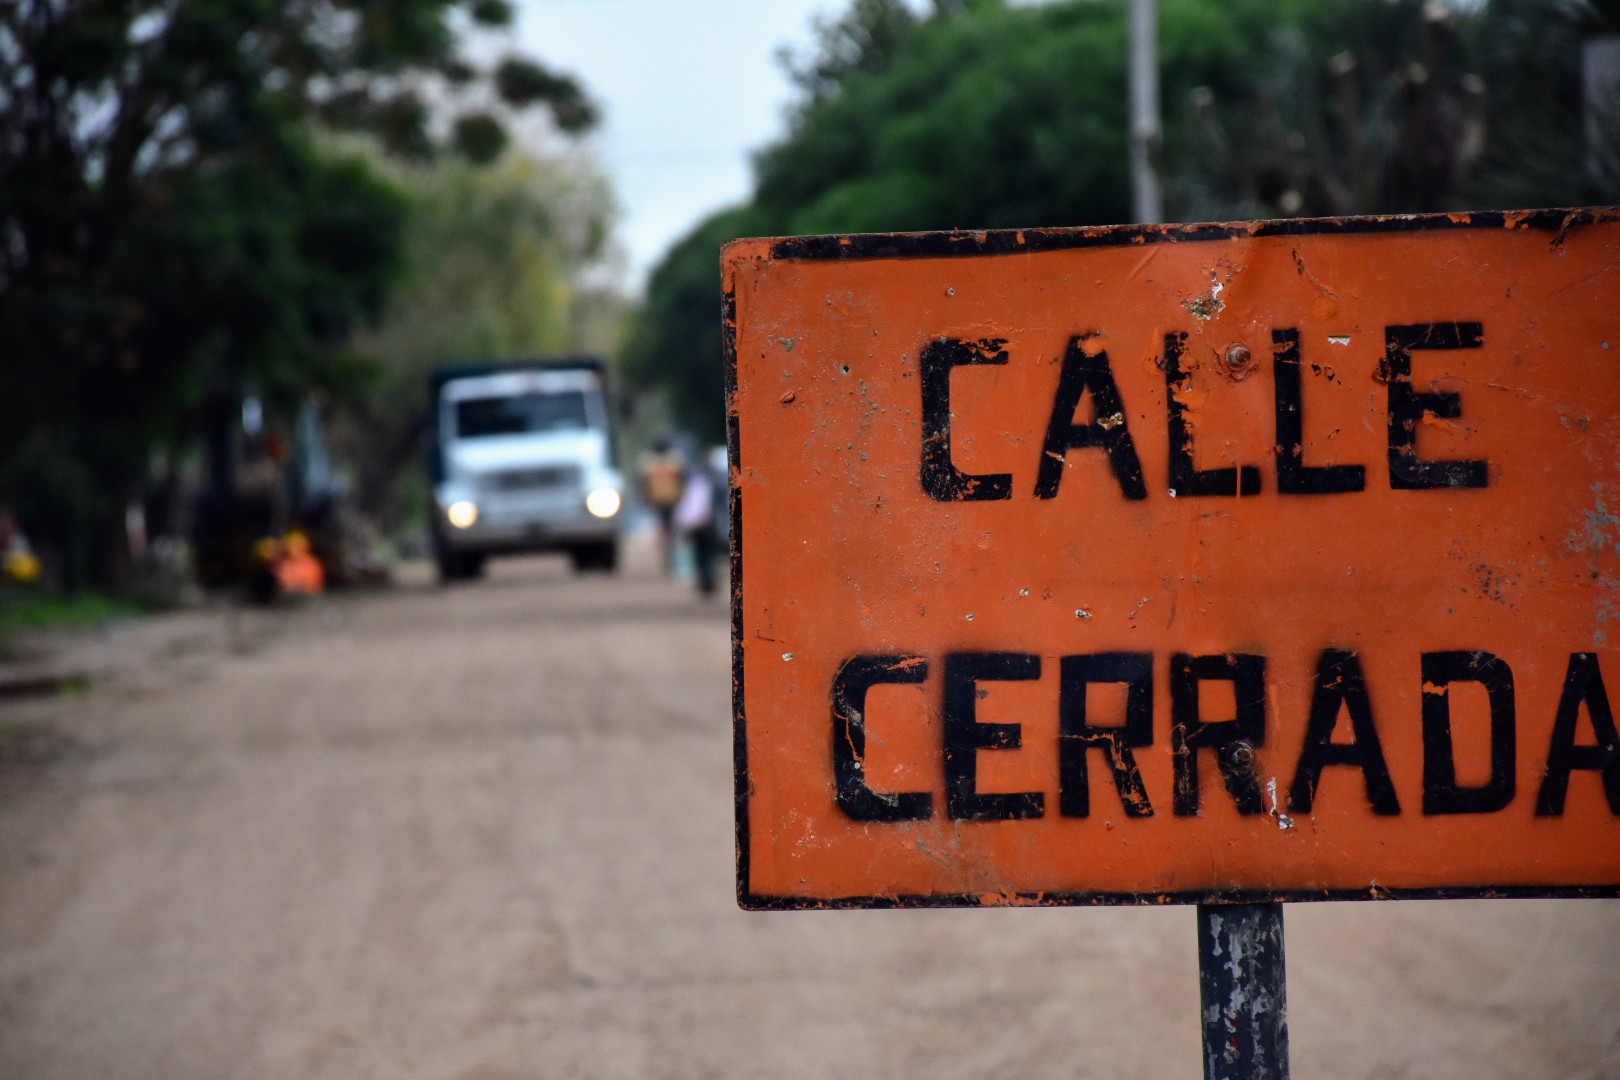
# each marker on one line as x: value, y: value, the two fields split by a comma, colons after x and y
x: 226, y: 215
x: 188, y: 233
x: 37, y: 608
x: 985, y: 114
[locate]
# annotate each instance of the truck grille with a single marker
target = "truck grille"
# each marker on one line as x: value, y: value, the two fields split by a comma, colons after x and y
x: 544, y: 478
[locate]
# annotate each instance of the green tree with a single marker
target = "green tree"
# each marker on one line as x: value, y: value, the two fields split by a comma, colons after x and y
x: 1388, y: 106
x: 978, y: 115
x: 1548, y: 143
x: 987, y: 115
x: 674, y: 344
x: 171, y: 232
x: 865, y: 38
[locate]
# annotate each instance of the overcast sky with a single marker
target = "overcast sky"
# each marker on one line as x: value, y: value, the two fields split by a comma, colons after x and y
x: 687, y: 90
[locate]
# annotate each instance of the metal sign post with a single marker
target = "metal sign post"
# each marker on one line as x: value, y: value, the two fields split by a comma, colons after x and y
x: 1147, y: 200
x: 1243, y: 991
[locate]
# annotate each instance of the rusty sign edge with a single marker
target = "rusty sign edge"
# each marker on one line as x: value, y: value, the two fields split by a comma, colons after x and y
x: 982, y: 242
x: 992, y: 242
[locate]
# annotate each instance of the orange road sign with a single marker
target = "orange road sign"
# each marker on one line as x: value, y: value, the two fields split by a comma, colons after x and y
x: 1170, y: 564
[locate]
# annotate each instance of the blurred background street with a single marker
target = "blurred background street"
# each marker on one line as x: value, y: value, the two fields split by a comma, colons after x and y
x: 486, y: 832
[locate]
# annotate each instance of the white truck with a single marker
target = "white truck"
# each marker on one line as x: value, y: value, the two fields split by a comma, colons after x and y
x: 522, y: 460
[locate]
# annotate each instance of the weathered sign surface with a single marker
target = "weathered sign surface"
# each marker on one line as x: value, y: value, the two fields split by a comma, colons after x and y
x: 1276, y: 560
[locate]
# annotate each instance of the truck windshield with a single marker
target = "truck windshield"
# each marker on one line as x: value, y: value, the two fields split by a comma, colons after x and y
x: 520, y: 414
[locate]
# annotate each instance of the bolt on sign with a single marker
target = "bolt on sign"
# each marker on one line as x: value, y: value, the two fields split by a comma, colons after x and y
x: 1178, y: 564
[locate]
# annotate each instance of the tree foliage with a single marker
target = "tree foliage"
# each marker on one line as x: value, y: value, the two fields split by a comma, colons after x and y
x: 864, y: 38
x: 984, y: 115
x: 1390, y: 106
x: 979, y: 115
x: 675, y: 342
x: 171, y: 228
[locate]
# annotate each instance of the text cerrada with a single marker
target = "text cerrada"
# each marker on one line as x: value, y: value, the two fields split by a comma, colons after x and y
x: 1583, y: 736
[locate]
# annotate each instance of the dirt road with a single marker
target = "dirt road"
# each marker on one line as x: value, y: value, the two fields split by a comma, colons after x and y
x: 486, y: 833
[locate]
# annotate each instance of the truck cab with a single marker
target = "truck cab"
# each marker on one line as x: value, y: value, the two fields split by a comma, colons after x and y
x: 523, y: 461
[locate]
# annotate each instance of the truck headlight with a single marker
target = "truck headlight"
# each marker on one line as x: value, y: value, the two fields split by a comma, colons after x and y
x: 462, y: 513
x: 603, y: 502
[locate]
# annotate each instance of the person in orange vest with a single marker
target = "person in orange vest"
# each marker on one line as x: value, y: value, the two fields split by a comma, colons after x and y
x: 17, y: 559
x: 285, y: 567
x: 298, y: 570
x: 662, y: 473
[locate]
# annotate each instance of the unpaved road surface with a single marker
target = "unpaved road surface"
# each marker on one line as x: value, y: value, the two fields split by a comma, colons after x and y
x: 487, y: 833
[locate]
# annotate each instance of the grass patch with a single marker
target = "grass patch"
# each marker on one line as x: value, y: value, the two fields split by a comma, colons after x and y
x: 37, y: 608
x: 17, y: 727
x: 29, y: 740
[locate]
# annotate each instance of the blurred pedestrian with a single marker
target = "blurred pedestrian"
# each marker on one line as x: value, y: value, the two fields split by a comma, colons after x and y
x: 662, y: 473
x: 17, y: 561
x: 695, y: 518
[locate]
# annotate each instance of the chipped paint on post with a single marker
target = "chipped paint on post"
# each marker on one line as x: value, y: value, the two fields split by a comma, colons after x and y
x: 1244, y: 991
x: 1177, y: 563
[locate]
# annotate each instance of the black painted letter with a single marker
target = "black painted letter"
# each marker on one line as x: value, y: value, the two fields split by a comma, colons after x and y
x: 1107, y: 429
x: 1340, y: 684
x: 1407, y: 407
x: 1441, y: 795
x: 1077, y: 735
x: 1187, y: 478
x: 941, y: 479
x: 1189, y: 733
x: 965, y: 736
x: 858, y: 675
x: 1294, y: 477
x: 1583, y: 683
